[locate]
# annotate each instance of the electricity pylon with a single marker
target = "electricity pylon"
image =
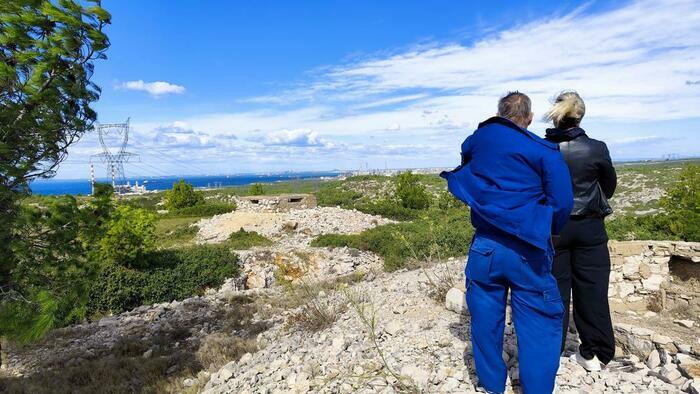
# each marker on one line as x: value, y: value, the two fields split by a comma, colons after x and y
x: 119, y: 133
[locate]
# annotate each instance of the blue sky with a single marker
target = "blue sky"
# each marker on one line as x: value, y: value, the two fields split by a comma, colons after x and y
x: 216, y: 87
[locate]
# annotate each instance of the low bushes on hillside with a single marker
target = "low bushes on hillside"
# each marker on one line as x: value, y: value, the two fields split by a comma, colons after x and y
x: 631, y: 227
x: 148, y: 201
x: 436, y: 235
x: 208, y: 209
x: 175, y: 232
x: 409, y: 199
x: 242, y: 239
x: 332, y: 195
x: 389, y: 209
x: 169, y: 275
x: 679, y: 219
x: 682, y: 204
x: 256, y: 189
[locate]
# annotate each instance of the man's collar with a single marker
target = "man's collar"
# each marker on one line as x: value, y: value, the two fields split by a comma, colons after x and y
x: 510, y: 124
x: 502, y: 121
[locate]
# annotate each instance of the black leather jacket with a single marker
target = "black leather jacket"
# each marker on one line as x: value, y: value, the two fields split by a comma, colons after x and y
x: 592, y: 173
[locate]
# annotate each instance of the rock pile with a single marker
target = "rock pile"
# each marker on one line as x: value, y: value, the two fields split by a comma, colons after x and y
x: 291, y: 228
x: 262, y: 267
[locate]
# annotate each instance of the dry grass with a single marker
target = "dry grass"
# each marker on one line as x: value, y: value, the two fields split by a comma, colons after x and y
x: 441, y: 278
x: 317, y: 311
x: 219, y: 349
x: 313, y: 304
x: 124, y: 369
x: 367, y: 312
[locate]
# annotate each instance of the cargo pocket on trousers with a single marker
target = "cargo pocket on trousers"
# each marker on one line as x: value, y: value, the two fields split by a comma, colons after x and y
x: 479, y: 262
x: 552, y: 301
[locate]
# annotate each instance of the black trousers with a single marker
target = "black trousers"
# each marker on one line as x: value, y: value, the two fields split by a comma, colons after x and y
x: 582, y: 267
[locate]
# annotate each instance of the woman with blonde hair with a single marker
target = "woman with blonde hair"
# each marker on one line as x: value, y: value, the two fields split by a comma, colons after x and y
x: 582, y: 261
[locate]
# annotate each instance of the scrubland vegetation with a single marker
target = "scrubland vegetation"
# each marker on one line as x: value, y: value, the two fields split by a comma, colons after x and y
x: 434, y: 223
x: 676, y: 216
x: 83, y: 258
x: 119, y: 254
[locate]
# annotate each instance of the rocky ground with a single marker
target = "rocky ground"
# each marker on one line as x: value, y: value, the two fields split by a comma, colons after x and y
x: 351, y: 328
x: 394, y: 337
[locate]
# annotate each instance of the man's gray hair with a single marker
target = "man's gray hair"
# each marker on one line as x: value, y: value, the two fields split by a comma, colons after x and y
x: 515, y: 106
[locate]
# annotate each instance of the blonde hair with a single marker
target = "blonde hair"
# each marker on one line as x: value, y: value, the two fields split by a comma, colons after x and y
x: 567, y: 110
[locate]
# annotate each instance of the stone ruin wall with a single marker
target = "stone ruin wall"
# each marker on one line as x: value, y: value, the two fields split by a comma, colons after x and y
x: 277, y: 203
x: 640, y: 277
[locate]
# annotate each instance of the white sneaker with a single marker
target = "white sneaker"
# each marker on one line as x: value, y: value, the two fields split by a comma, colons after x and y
x: 591, y: 365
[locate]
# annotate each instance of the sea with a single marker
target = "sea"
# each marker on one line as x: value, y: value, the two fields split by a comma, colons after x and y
x: 82, y: 186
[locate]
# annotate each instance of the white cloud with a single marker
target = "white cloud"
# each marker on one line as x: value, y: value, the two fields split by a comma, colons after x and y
x: 156, y: 89
x: 629, y: 63
x: 297, y: 137
x: 178, y: 137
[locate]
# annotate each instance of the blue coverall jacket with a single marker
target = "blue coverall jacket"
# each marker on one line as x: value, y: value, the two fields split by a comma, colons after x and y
x: 514, y: 181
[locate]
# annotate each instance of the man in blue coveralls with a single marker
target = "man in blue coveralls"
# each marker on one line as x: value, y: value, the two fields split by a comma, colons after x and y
x: 519, y: 190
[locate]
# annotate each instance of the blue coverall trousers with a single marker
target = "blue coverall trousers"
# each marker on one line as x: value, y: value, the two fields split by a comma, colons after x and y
x: 497, y: 263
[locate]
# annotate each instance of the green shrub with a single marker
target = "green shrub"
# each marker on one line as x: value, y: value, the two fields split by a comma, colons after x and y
x: 630, y: 228
x: 129, y: 237
x: 182, y: 195
x: 242, y: 239
x: 447, y: 201
x: 203, y: 210
x: 389, y: 209
x: 256, y: 189
x: 102, y: 190
x: 411, y: 192
x: 116, y: 289
x: 336, y: 241
x: 682, y: 204
x: 172, y: 274
x: 332, y: 195
x: 148, y: 202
